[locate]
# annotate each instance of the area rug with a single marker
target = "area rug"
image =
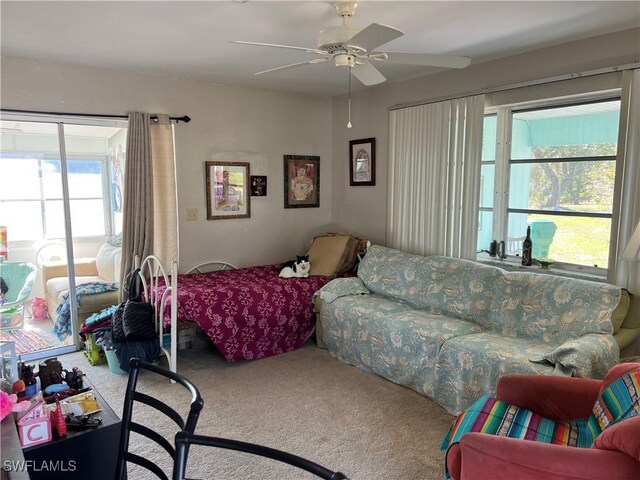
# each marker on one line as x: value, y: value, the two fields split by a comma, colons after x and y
x: 27, y: 340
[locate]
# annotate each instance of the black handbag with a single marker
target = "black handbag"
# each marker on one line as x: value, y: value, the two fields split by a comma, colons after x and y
x: 137, y: 321
x: 117, y: 330
x: 133, y: 319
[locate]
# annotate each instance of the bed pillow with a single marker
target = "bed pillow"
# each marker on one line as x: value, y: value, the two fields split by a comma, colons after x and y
x: 330, y: 254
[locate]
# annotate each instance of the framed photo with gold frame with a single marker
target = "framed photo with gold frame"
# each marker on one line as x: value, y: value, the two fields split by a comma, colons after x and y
x: 228, y: 189
x: 362, y: 162
x: 301, y: 181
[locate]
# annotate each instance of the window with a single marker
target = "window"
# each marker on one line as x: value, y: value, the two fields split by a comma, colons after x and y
x: 555, y: 173
x: 31, y: 187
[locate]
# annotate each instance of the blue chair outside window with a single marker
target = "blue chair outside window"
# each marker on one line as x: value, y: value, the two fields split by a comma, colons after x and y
x: 17, y: 283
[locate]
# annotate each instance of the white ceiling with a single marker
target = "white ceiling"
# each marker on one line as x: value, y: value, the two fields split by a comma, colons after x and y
x: 190, y: 39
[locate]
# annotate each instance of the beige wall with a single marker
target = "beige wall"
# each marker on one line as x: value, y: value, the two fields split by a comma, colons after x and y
x: 260, y: 126
x: 363, y: 209
x: 228, y: 123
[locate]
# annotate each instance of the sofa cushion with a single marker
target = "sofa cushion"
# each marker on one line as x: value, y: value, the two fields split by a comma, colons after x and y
x: 389, y: 338
x: 470, y: 366
x: 458, y: 288
x: 108, y: 263
x: 495, y: 417
x: 551, y: 308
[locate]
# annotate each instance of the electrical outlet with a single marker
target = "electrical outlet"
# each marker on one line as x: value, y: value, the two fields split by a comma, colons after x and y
x: 192, y: 214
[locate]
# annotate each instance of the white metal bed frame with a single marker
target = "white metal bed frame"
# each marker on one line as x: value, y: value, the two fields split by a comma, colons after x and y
x: 151, y: 270
x: 218, y: 263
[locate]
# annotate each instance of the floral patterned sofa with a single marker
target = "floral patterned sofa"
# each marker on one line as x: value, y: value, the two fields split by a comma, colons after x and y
x: 450, y: 328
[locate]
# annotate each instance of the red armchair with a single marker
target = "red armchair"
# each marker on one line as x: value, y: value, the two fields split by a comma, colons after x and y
x: 615, y: 453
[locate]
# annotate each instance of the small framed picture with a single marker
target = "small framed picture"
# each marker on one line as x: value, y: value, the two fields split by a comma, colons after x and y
x: 301, y: 181
x: 227, y: 190
x: 258, y: 185
x: 362, y: 162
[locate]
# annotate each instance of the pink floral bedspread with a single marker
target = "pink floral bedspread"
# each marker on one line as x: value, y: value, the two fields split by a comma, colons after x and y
x: 249, y: 313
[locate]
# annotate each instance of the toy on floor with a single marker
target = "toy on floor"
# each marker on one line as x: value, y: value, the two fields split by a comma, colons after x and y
x: 39, y: 308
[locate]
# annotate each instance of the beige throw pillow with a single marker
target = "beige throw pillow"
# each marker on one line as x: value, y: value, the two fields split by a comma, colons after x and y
x: 328, y: 253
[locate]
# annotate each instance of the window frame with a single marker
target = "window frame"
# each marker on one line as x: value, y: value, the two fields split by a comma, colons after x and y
x: 42, y: 200
x: 106, y: 170
x: 503, y: 162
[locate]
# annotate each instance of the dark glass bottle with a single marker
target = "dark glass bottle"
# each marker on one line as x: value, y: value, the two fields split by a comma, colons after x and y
x: 527, y: 247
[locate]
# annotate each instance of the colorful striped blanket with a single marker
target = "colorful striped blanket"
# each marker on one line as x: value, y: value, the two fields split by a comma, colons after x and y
x: 488, y: 415
x: 620, y: 400
x: 62, y: 326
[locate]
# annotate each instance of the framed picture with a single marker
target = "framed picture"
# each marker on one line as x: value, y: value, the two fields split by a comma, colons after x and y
x: 301, y: 181
x: 362, y: 162
x: 227, y: 190
x: 258, y: 185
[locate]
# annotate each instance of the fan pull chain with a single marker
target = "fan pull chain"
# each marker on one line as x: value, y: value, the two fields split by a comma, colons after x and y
x: 349, y: 122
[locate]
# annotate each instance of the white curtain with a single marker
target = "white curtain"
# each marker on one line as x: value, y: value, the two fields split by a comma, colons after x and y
x: 622, y: 272
x: 150, y: 223
x: 165, y: 202
x: 435, y: 153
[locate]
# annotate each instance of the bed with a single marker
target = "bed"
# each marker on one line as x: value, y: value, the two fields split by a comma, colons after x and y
x: 247, y: 313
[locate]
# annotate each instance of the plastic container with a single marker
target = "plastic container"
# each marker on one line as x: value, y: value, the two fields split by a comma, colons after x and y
x: 114, y: 364
x: 542, y: 233
x: 92, y: 352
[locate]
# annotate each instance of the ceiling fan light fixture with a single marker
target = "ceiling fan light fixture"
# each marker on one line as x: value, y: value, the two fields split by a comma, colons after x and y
x: 344, y: 60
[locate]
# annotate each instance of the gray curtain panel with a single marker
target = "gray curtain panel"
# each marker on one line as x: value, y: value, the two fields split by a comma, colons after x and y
x: 137, y: 228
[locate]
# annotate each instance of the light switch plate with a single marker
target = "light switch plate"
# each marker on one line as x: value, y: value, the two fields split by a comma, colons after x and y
x: 192, y: 214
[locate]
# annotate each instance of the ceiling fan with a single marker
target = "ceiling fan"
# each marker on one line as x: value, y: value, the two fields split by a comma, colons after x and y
x: 354, y: 48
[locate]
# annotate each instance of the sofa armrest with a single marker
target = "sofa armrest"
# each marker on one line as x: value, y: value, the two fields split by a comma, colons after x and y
x: 590, y: 355
x: 557, y: 398
x: 493, y: 457
x: 340, y: 287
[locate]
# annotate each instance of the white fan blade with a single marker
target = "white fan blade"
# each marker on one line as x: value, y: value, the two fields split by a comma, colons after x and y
x: 428, y: 60
x: 293, y: 65
x: 368, y: 74
x: 304, y: 49
x: 373, y: 36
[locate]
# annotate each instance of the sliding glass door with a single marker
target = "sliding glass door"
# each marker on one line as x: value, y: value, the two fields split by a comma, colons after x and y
x: 60, y: 213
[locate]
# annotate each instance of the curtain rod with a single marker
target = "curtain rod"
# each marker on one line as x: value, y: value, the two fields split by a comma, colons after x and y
x: 185, y: 119
x: 514, y: 86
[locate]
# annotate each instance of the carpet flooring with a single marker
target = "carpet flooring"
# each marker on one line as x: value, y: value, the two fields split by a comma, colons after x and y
x: 305, y: 402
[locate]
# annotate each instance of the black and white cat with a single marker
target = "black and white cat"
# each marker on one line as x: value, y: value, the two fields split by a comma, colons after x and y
x: 296, y: 268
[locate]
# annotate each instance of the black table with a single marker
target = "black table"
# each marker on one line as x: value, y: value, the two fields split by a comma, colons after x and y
x: 82, y: 454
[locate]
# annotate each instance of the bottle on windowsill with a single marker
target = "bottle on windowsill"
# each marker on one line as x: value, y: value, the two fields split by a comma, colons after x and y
x: 527, y: 248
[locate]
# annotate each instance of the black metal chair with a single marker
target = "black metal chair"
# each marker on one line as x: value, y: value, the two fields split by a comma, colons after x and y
x: 185, y: 439
x: 187, y: 425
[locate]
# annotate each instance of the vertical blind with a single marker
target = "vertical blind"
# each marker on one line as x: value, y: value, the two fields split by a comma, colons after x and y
x: 434, y: 177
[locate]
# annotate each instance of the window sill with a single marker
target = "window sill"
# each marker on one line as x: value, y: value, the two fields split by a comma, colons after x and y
x: 512, y: 264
